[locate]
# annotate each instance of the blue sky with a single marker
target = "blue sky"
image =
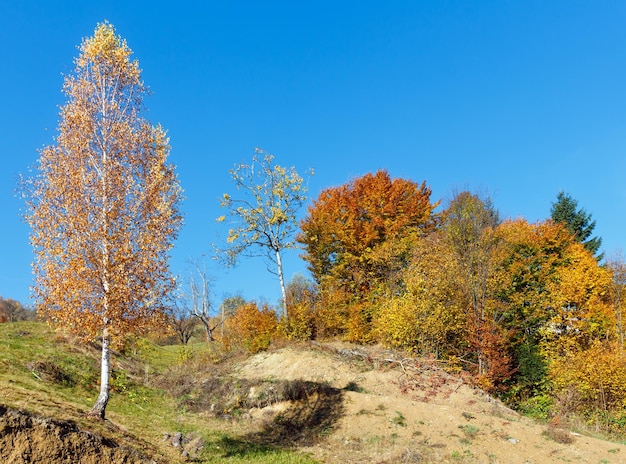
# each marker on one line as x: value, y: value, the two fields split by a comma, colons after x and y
x: 515, y: 99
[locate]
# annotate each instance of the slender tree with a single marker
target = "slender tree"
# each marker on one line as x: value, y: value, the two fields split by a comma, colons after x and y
x: 468, y: 225
x: 197, y: 298
x: 577, y: 221
x: 103, y: 205
x: 228, y: 308
x: 263, y: 217
x: 230, y: 305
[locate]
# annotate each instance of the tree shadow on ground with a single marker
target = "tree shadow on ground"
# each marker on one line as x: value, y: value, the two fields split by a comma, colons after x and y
x: 241, y: 448
x: 315, y: 408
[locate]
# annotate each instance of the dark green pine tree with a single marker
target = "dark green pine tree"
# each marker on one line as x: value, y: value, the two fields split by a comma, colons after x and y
x: 577, y: 221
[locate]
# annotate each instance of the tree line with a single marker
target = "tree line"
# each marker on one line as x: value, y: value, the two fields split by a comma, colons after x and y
x: 530, y: 311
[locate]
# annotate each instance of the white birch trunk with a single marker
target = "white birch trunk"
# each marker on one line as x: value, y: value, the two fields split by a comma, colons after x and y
x: 281, y: 279
x: 99, y: 408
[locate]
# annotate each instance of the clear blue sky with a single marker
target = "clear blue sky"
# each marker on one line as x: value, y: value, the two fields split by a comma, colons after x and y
x: 517, y: 99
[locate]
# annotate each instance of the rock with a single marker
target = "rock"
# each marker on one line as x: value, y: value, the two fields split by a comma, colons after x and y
x: 177, y: 440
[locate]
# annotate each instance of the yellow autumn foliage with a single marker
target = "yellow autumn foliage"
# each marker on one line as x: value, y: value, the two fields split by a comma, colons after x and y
x: 595, y: 377
x: 301, y: 322
x: 423, y: 318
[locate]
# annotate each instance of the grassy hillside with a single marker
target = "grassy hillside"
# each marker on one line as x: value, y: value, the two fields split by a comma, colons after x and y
x: 301, y: 403
x: 49, y: 374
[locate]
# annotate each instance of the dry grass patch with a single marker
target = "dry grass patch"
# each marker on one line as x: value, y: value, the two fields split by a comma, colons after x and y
x: 559, y: 435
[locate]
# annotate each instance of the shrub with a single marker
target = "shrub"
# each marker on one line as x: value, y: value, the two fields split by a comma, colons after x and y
x: 559, y: 435
x: 300, y: 325
x: 596, y: 377
x: 397, y: 324
x: 331, y: 314
x: 359, y: 323
x: 253, y: 328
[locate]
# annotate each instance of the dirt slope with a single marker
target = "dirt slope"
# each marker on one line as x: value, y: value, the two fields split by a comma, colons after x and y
x: 396, y: 411
x: 28, y: 439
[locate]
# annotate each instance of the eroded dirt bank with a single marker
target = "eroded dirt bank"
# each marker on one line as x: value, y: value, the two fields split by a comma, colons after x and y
x: 26, y: 438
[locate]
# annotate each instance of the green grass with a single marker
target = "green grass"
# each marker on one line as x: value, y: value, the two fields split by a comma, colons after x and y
x: 53, y: 375
x: 399, y: 419
x: 470, y: 431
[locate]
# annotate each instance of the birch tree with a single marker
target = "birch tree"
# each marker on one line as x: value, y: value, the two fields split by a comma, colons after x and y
x: 103, y: 205
x: 262, y: 215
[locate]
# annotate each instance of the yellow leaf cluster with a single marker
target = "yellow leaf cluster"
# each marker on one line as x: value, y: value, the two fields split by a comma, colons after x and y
x: 596, y: 376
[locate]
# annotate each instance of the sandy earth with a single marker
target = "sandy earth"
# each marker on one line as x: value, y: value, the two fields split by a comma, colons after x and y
x: 394, y: 412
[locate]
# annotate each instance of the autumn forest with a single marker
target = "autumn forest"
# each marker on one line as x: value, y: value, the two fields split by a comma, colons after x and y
x: 529, y: 312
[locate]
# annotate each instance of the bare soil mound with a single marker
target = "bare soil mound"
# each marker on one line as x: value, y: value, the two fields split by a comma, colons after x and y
x: 396, y: 410
x: 25, y: 438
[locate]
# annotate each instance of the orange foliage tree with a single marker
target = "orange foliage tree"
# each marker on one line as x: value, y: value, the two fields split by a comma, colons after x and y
x: 531, y: 258
x: 583, y: 341
x: 347, y: 235
x: 252, y: 328
x: 103, y: 206
x: 581, y: 296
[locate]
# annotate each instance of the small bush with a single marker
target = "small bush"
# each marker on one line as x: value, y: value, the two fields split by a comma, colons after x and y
x: 300, y: 323
x: 51, y: 372
x: 538, y: 407
x: 359, y: 323
x: 592, y: 383
x: 253, y: 328
x: 399, y: 419
x: 470, y: 431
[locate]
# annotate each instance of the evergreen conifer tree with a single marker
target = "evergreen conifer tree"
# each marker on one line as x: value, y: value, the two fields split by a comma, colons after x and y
x: 577, y: 221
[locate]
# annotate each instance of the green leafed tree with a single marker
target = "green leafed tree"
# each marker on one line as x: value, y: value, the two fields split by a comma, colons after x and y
x: 230, y: 305
x: 577, y: 221
x: 103, y: 206
x: 262, y: 214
